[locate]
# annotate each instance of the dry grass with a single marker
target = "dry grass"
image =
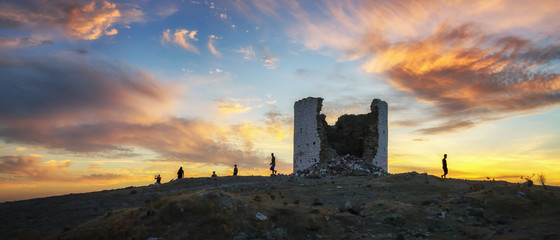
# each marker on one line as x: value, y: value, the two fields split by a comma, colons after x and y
x: 204, y: 215
x: 410, y: 205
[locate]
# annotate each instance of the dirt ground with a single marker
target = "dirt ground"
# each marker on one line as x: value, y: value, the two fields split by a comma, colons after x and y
x: 400, y: 206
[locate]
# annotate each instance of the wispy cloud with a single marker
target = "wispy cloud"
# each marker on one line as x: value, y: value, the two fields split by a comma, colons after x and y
x: 132, y: 15
x: 472, y: 67
x: 211, y: 46
x: 181, y: 37
x: 79, y: 19
x: 31, y: 167
x: 231, y: 105
x: 248, y: 52
x: 22, y: 42
x: 269, y: 61
x: 167, y: 11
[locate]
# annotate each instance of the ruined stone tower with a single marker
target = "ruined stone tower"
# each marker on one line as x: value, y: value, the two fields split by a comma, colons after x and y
x: 363, y: 136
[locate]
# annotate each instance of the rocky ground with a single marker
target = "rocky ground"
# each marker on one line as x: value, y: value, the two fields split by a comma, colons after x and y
x: 400, y: 206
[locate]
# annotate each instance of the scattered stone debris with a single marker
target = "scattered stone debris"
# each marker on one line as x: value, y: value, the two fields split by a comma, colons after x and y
x: 260, y: 216
x: 347, y: 165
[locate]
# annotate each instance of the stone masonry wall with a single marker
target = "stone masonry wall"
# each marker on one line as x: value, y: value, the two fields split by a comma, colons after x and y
x: 380, y: 111
x: 307, y: 144
x: 363, y: 137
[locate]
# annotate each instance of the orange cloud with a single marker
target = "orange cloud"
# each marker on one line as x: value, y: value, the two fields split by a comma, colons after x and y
x: 181, y: 37
x: 231, y: 107
x: 78, y: 19
x: 469, y: 76
x: 30, y: 166
x: 237, y: 105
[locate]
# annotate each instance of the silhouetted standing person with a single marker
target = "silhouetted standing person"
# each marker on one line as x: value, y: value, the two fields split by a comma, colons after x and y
x: 214, y: 174
x: 180, y: 173
x: 444, y: 164
x: 158, y: 179
x: 272, y: 164
x: 235, y: 170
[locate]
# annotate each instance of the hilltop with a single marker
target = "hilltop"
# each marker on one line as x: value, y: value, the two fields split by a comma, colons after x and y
x: 399, y: 206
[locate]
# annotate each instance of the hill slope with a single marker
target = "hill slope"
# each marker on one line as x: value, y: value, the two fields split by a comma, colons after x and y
x: 400, y: 206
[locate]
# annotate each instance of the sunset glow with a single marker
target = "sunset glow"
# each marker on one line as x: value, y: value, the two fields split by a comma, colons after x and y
x: 99, y: 95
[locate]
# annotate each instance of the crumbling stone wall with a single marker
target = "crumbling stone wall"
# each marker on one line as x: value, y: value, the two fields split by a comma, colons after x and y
x: 308, y: 147
x: 363, y: 137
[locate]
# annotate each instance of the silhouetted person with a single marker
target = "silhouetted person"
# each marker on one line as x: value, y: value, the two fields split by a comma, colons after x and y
x: 180, y: 173
x: 235, y: 170
x: 214, y: 174
x: 444, y: 164
x: 158, y: 179
x: 272, y: 164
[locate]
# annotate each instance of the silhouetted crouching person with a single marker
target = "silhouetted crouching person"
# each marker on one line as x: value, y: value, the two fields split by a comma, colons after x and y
x: 158, y: 179
x: 235, y: 170
x: 272, y: 164
x: 214, y: 174
x: 180, y: 173
x: 444, y: 163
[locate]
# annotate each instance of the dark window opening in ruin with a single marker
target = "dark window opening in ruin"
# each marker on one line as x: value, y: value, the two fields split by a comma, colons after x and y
x: 350, y: 134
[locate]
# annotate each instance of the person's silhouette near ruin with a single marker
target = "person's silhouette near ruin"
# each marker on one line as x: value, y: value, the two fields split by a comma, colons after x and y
x: 235, y: 170
x: 272, y: 164
x: 158, y: 179
x: 180, y: 173
x: 444, y: 163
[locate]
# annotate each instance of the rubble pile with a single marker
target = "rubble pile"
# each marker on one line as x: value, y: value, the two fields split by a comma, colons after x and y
x: 347, y: 165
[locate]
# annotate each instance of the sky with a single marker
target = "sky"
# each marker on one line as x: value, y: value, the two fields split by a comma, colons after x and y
x: 101, y: 95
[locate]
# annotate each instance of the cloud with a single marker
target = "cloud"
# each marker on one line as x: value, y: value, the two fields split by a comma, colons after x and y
x: 268, y: 60
x: 57, y: 89
x: 22, y: 42
x: 131, y: 15
x: 471, y: 77
x: 231, y: 106
x: 167, y: 11
x: 341, y: 24
x: 82, y: 104
x: 248, y: 52
x: 279, y: 125
x: 78, y: 19
x: 111, y: 32
x: 181, y: 37
x: 95, y: 167
x: 100, y: 177
x: 211, y: 46
x: 30, y: 166
x: 482, y: 65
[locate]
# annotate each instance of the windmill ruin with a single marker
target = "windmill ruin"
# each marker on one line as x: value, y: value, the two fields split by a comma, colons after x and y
x: 355, y: 145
